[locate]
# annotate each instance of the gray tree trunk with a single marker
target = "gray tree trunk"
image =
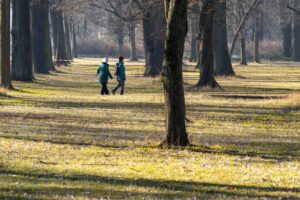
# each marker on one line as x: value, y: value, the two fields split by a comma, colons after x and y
x: 5, y: 45
x: 41, y: 40
x: 176, y: 15
x: 286, y: 29
x: 132, y: 36
x: 207, y: 76
x: 154, y: 31
x: 257, y: 30
x: 222, y: 60
x: 54, y: 23
x: 296, y: 33
x: 243, y: 47
x: 68, y: 38
x: 61, y: 54
x: 194, y: 30
x: 74, y: 41
x: 22, y: 68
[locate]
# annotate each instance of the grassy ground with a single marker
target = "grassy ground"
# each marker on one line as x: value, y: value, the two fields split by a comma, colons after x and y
x: 60, y: 140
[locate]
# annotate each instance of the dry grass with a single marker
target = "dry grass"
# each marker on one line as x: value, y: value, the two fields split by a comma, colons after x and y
x: 60, y: 140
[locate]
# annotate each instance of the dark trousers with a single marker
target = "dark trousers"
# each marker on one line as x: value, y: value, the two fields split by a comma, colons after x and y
x: 121, y: 84
x: 104, y: 90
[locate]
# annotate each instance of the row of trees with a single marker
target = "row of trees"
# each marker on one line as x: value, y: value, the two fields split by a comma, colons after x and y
x: 211, y: 14
x: 32, y: 50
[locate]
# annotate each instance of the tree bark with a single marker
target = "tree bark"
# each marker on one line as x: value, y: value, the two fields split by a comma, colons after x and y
x: 176, y: 15
x: 243, y: 55
x: 74, y: 41
x: 54, y: 23
x: 257, y: 21
x: 68, y: 38
x: 296, y: 33
x: 286, y: 29
x: 22, y: 69
x: 61, y: 55
x: 193, y: 54
x: 243, y: 47
x: 154, y: 30
x: 132, y: 36
x: 5, y: 45
x: 222, y: 59
x: 41, y: 40
x: 207, y: 75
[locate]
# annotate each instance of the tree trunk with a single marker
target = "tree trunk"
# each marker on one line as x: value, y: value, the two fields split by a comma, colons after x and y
x: 172, y: 73
x: 287, y: 35
x: 133, y: 42
x: 222, y: 60
x: 243, y: 55
x: 21, y: 52
x: 256, y: 36
x: 54, y: 23
x: 68, y: 38
x: 207, y: 77
x: 243, y: 47
x: 286, y: 29
x: 74, y: 41
x: 154, y: 30
x: 253, y: 5
x: 120, y: 36
x: 61, y: 55
x: 296, y: 32
x: 193, y: 54
x: 41, y: 40
x: 5, y: 45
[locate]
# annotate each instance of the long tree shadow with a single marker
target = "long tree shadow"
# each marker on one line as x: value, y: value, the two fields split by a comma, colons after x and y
x: 169, y: 186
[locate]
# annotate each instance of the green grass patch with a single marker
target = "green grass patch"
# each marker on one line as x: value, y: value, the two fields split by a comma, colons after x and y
x: 59, y: 139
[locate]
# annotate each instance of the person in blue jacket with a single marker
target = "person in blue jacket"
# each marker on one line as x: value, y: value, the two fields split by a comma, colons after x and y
x: 121, y: 76
x: 104, y: 73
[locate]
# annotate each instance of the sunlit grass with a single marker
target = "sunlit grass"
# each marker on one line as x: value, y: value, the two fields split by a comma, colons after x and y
x: 61, y: 140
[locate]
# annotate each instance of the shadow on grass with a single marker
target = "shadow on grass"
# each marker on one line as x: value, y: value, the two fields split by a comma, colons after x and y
x: 171, y: 188
x: 278, y: 157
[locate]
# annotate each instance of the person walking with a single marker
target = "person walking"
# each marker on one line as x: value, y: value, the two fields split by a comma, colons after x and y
x: 121, y: 76
x: 104, y: 73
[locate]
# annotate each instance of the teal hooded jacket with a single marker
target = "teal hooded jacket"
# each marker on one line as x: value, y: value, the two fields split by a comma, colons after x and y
x: 104, y: 73
x: 120, y: 71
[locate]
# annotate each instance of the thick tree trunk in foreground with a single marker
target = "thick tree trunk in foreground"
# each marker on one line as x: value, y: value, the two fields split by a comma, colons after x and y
x: 21, y: 52
x: 41, y: 40
x: 222, y: 59
x: 154, y: 30
x: 5, y: 45
x: 61, y: 54
x: 176, y: 15
x: 207, y: 76
x: 296, y: 33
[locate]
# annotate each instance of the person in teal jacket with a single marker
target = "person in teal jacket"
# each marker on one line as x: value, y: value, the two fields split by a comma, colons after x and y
x: 104, y: 73
x: 121, y: 76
